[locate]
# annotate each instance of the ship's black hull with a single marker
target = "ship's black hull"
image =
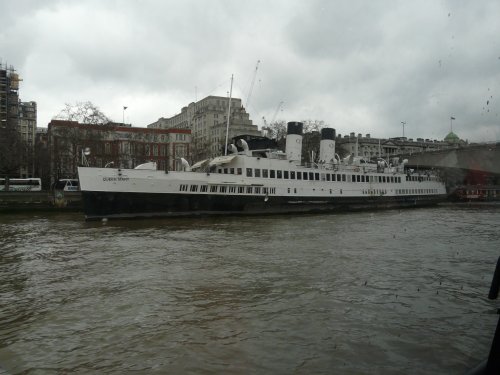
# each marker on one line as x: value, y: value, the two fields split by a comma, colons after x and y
x: 115, y: 205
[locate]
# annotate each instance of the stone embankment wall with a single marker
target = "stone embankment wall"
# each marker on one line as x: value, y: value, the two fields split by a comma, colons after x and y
x: 11, y: 201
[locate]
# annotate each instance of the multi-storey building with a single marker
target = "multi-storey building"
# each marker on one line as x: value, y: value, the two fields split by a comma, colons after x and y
x: 17, y: 127
x: 207, y: 120
x: 9, y: 98
x: 113, y: 145
x: 27, y: 130
x: 369, y: 147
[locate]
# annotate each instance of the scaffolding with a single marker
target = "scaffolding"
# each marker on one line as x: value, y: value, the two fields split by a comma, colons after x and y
x: 9, y: 97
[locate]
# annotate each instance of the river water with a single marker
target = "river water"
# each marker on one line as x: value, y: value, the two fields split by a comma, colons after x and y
x: 385, y: 292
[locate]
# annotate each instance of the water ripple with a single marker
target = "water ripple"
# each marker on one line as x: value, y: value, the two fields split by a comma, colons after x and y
x: 382, y: 292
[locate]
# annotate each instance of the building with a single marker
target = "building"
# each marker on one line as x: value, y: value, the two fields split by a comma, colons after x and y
x: 454, y: 140
x: 207, y: 120
x: 27, y: 130
x: 369, y: 147
x: 42, y: 157
x: 9, y: 98
x: 17, y: 127
x: 113, y: 145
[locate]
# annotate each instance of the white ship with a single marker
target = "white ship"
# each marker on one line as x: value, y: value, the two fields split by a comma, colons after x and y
x: 261, y: 181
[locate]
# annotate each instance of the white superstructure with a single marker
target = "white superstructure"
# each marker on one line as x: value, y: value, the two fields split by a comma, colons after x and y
x: 259, y: 181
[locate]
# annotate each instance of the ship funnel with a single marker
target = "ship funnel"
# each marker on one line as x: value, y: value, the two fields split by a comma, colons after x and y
x: 327, y: 146
x: 294, y: 141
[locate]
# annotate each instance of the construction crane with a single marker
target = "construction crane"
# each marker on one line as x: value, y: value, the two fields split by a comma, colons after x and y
x: 264, y: 120
x: 277, y: 110
x: 251, y: 85
x: 265, y: 129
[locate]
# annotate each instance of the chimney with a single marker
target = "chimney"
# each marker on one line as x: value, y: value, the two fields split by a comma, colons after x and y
x: 327, y: 145
x: 294, y: 141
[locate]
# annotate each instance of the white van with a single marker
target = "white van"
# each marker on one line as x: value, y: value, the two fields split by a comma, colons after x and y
x: 67, y: 184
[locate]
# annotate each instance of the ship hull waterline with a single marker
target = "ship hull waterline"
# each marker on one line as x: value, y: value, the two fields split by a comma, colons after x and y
x: 126, y: 205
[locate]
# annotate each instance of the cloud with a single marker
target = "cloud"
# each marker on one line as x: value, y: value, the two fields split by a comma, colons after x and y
x: 360, y: 66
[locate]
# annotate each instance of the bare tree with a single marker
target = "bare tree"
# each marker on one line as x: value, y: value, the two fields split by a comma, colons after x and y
x: 310, y: 146
x: 14, y: 152
x: 313, y: 125
x: 200, y: 149
x: 68, y: 143
x: 277, y: 130
x: 42, y: 163
x: 66, y: 146
x: 311, y: 140
x: 84, y: 113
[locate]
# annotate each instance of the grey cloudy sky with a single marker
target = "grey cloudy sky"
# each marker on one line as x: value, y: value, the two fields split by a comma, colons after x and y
x: 361, y: 66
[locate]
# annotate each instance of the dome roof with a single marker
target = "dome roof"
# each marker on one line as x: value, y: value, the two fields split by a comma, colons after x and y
x: 452, y: 138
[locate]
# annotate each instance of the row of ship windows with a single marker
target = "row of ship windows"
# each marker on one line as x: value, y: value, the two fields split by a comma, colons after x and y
x: 316, y: 176
x: 228, y: 189
x: 312, y: 176
x: 400, y: 191
x: 272, y: 190
x: 416, y: 191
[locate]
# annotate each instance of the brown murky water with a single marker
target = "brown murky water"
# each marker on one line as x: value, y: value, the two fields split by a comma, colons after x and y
x: 368, y: 293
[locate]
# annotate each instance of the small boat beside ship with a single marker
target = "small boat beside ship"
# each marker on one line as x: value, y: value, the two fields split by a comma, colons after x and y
x: 476, y: 193
x: 258, y: 181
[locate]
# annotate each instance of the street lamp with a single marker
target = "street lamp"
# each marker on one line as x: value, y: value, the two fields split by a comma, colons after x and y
x: 124, y: 108
x: 85, y: 153
x: 404, y: 123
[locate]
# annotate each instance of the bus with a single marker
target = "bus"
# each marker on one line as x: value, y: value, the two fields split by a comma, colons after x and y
x: 21, y: 184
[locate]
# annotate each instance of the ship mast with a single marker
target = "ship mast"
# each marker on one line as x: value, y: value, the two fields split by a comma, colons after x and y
x: 228, y: 113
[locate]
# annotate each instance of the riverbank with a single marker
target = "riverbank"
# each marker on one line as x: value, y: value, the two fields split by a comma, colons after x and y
x: 71, y: 201
x: 15, y: 201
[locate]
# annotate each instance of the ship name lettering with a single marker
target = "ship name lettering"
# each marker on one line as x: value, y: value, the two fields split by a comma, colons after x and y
x: 115, y: 178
